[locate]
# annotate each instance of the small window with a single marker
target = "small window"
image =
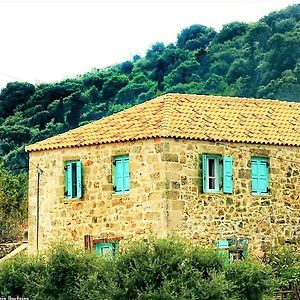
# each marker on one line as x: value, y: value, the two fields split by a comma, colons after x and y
x: 121, y: 174
x: 260, y: 175
x: 232, y: 249
x: 217, y: 173
x: 73, y: 179
x: 213, y: 174
x: 107, y: 248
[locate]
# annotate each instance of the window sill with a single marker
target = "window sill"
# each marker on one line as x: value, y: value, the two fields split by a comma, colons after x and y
x: 121, y: 194
x: 213, y: 192
x: 218, y: 193
x: 68, y: 200
x: 261, y: 195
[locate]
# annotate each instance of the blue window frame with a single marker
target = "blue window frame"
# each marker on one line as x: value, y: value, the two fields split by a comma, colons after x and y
x: 73, y: 179
x: 107, y: 248
x: 260, y: 175
x: 217, y: 173
x: 121, y: 174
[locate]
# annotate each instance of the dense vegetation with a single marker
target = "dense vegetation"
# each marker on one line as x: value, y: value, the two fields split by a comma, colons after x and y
x: 155, y: 269
x: 251, y: 60
x: 13, y: 206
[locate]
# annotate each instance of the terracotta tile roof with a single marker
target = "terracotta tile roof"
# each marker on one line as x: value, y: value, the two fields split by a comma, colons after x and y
x: 213, y: 118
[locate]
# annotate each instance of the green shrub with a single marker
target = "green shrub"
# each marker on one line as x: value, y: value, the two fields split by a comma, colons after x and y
x: 23, y: 276
x: 251, y: 280
x: 100, y: 282
x: 65, y: 268
x: 13, y: 205
x: 155, y: 269
x: 286, y: 268
x: 169, y: 269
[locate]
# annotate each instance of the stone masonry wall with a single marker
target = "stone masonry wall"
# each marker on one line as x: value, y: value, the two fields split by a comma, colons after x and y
x: 100, y: 212
x: 208, y: 217
x: 166, y: 195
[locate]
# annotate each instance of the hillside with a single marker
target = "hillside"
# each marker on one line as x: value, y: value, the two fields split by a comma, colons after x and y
x: 259, y: 60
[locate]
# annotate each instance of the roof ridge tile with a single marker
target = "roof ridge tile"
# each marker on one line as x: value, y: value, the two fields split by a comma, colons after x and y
x: 166, y: 114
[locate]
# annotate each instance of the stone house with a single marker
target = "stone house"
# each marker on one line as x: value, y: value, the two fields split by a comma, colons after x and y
x: 212, y: 169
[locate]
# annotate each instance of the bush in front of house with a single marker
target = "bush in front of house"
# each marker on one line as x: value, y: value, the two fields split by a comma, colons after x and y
x: 286, y: 267
x: 65, y: 266
x: 154, y: 269
x: 23, y: 276
x: 157, y: 269
x: 170, y: 269
x: 251, y: 280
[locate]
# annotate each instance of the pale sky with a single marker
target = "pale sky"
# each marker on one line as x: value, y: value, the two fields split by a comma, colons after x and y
x: 46, y: 41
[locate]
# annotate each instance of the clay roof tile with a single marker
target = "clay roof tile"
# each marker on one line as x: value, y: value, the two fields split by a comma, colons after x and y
x: 201, y: 117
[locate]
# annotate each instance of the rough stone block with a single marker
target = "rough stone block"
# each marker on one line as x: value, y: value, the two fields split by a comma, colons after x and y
x: 173, y: 195
x: 177, y: 205
x: 169, y: 157
x: 152, y: 216
x: 244, y: 174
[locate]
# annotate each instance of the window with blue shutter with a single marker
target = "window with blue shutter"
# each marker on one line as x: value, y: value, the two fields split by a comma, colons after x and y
x: 243, y: 246
x: 126, y: 173
x: 118, y: 182
x: 232, y: 249
x: 107, y: 248
x: 223, y: 249
x: 254, y: 176
x: 204, y: 172
x: 73, y: 179
x: 217, y: 173
x: 227, y: 175
x: 78, y: 179
x: 260, y: 175
x: 104, y: 248
x: 121, y: 174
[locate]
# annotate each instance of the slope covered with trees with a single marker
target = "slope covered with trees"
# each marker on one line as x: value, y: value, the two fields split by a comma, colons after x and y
x: 249, y: 60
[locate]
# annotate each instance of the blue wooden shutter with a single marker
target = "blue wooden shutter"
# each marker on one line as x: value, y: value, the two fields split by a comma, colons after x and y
x: 79, y: 179
x: 227, y: 175
x: 98, y: 248
x: 119, y: 182
x: 244, y: 245
x: 204, y: 172
x: 126, y: 173
x: 223, y: 249
x: 260, y: 175
x: 65, y: 180
x: 69, y: 180
x: 263, y: 179
x: 254, y: 176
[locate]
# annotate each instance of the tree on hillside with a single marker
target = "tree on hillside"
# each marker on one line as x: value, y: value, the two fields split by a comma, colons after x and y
x: 14, y: 94
x: 231, y: 31
x: 249, y: 60
x: 195, y: 36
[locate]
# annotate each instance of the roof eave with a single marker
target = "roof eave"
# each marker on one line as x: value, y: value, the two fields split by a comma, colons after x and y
x: 30, y: 148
